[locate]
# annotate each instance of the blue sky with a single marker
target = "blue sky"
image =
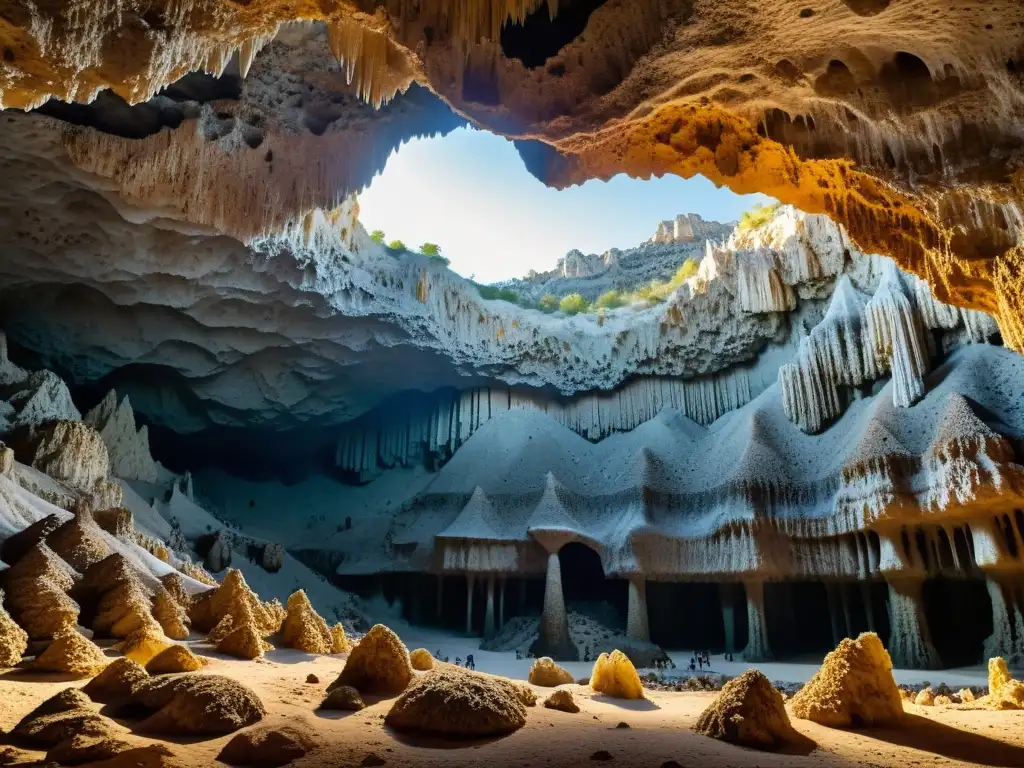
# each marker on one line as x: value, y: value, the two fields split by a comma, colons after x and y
x: 470, y: 193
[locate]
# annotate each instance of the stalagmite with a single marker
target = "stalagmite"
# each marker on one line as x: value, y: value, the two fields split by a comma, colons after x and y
x: 869, y: 610
x: 833, y: 613
x: 469, y: 603
x: 844, y: 596
x: 554, y: 639
x: 637, y: 627
x: 501, y: 601
x: 440, y: 596
x: 1007, y: 638
x: 910, y: 642
x: 757, y: 623
x: 489, y: 628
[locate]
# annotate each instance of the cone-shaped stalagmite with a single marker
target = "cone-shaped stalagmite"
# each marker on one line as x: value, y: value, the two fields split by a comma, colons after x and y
x: 910, y: 644
x: 757, y: 624
x: 637, y: 627
x: 554, y: 639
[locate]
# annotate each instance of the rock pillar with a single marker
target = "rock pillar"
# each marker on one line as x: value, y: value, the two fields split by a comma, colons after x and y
x: 501, y: 602
x: 1007, y: 638
x: 440, y: 597
x: 489, y: 613
x: 910, y: 644
x: 469, y: 603
x: 757, y: 644
x: 869, y: 610
x: 728, y: 595
x: 522, y: 597
x: 554, y: 640
x: 833, y: 612
x: 844, y: 597
x: 637, y: 626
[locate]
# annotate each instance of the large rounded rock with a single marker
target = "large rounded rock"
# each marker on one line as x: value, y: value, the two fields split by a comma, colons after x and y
x: 453, y: 702
x: 117, y: 682
x: 268, y: 746
x: 853, y: 687
x: 547, y: 674
x: 748, y: 711
x: 197, y: 705
x: 614, y: 675
x: 378, y: 665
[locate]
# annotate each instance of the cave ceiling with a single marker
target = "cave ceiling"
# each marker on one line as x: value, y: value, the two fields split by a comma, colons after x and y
x: 225, y: 123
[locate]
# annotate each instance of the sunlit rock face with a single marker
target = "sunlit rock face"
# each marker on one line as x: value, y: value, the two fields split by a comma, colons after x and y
x: 901, y: 120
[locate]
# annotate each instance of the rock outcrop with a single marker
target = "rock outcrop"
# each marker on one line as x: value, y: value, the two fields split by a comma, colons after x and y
x: 37, y: 593
x: 196, y: 705
x: 379, y: 664
x: 614, y: 675
x: 127, y: 447
x: 748, y: 711
x: 303, y: 628
x: 13, y: 639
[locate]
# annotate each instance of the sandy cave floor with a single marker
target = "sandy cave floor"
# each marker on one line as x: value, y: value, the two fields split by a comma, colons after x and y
x: 659, y: 728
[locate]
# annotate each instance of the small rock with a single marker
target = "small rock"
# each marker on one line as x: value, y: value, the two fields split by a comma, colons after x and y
x: 622, y: 725
x: 602, y: 755
x: 671, y: 764
x: 312, y: 679
x: 372, y: 760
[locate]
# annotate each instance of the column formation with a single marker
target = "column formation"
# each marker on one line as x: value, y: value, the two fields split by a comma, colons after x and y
x: 489, y: 630
x: 469, y: 603
x: 1007, y: 638
x: 637, y: 625
x: 757, y: 643
x: 910, y: 643
x: 833, y: 612
x: 554, y: 639
x: 727, y: 590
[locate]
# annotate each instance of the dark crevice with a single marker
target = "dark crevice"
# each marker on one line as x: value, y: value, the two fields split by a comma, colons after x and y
x: 539, y: 37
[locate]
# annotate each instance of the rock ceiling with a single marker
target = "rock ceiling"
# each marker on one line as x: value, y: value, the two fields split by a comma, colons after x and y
x: 901, y: 119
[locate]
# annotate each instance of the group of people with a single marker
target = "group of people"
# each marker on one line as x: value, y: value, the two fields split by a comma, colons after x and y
x: 664, y: 664
x: 470, y: 661
x: 701, y: 659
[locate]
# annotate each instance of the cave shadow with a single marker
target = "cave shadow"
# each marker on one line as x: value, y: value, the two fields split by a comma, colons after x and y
x: 926, y: 735
x: 335, y: 714
x: 798, y: 745
x: 634, y: 705
x: 133, y: 716
x: 428, y: 741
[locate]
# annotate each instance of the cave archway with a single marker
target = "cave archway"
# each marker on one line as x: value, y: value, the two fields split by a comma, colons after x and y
x: 588, y: 590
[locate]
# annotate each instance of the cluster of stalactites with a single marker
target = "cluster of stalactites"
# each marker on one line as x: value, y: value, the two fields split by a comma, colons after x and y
x: 370, y: 59
x: 860, y: 341
x: 470, y: 20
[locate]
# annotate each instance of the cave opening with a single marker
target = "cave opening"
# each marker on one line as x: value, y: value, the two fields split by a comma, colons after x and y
x: 540, y: 37
x: 686, y: 615
x: 959, y: 616
x: 588, y: 590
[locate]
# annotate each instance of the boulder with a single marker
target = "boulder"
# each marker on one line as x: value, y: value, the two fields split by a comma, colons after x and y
x: 563, y: 701
x: 614, y: 675
x: 421, y: 660
x: 116, y: 683
x: 545, y: 673
x: 748, y: 711
x: 196, y: 705
x: 268, y: 746
x: 379, y: 664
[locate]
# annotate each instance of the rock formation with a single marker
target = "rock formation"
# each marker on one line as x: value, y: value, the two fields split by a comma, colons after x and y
x: 615, y: 676
x: 127, y: 447
x: 115, y: 683
x: 176, y: 658
x: 379, y: 664
x: 454, y: 702
x: 546, y: 673
x: 562, y: 700
x: 13, y: 639
x: 37, y: 593
x: 421, y: 660
x: 748, y: 711
x: 196, y: 705
x: 71, y: 653
x: 303, y: 628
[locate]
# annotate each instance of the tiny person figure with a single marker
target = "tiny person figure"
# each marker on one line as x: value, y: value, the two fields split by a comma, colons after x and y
x: 445, y: 659
x: 586, y: 653
x: 470, y: 662
x: 458, y: 661
x: 519, y: 654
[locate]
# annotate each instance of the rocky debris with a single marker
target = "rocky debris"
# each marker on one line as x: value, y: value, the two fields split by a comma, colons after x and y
x: 194, y: 570
x: 113, y: 594
x: 854, y: 687
x: 18, y: 544
x: 115, y: 683
x: 34, y: 399
x: 379, y: 664
x: 196, y: 705
x: 6, y: 460
x: 127, y: 447
x: 562, y: 700
x: 312, y: 679
x: 72, y: 654
x: 13, y: 639
x: 546, y: 673
x: 421, y: 660
x: 277, y: 614
x: 218, y: 556
x: 177, y: 658
x: 453, y: 702
x: 88, y: 749
x: 339, y: 641
x: 749, y: 711
x: 222, y: 630
x: 925, y: 697
x: 71, y: 452
x: 37, y: 598
x: 62, y: 717
x: 272, y: 558
x: 143, y: 644
x: 242, y: 640
x: 303, y: 628
x: 614, y: 675
x: 966, y: 695
x: 176, y: 589
x: 1003, y: 691
x: 602, y: 755
x: 343, y: 697
x: 80, y: 542
x: 269, y: 746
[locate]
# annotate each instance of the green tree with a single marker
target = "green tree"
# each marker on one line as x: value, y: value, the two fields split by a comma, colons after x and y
x: 610, y: 300
x: 757, y: 217
x: 396, y: 245
x: 573, y: 304
x: 377, y: 236
x: 548, y: 302
x: 438, y: 257
x: 430, y: 249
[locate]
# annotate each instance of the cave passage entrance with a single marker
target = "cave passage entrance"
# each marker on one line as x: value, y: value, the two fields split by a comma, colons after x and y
x: 588, y: 591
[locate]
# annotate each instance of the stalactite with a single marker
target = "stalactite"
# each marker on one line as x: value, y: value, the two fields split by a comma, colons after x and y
x: 757, y: 649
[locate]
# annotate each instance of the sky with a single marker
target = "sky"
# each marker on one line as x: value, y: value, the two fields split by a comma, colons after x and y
x: 470, y: 193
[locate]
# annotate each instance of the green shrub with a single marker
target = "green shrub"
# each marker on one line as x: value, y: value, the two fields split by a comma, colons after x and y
x: 573, y: 304
x: 430, y: 249
x: 757, y: 217
x: 377, y: 236
x: 548, y: 303
x: 685, y: 272
x: 610, y: 300
x: 396, y: 245
x: 494, y: 293
x: 438, y: 257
